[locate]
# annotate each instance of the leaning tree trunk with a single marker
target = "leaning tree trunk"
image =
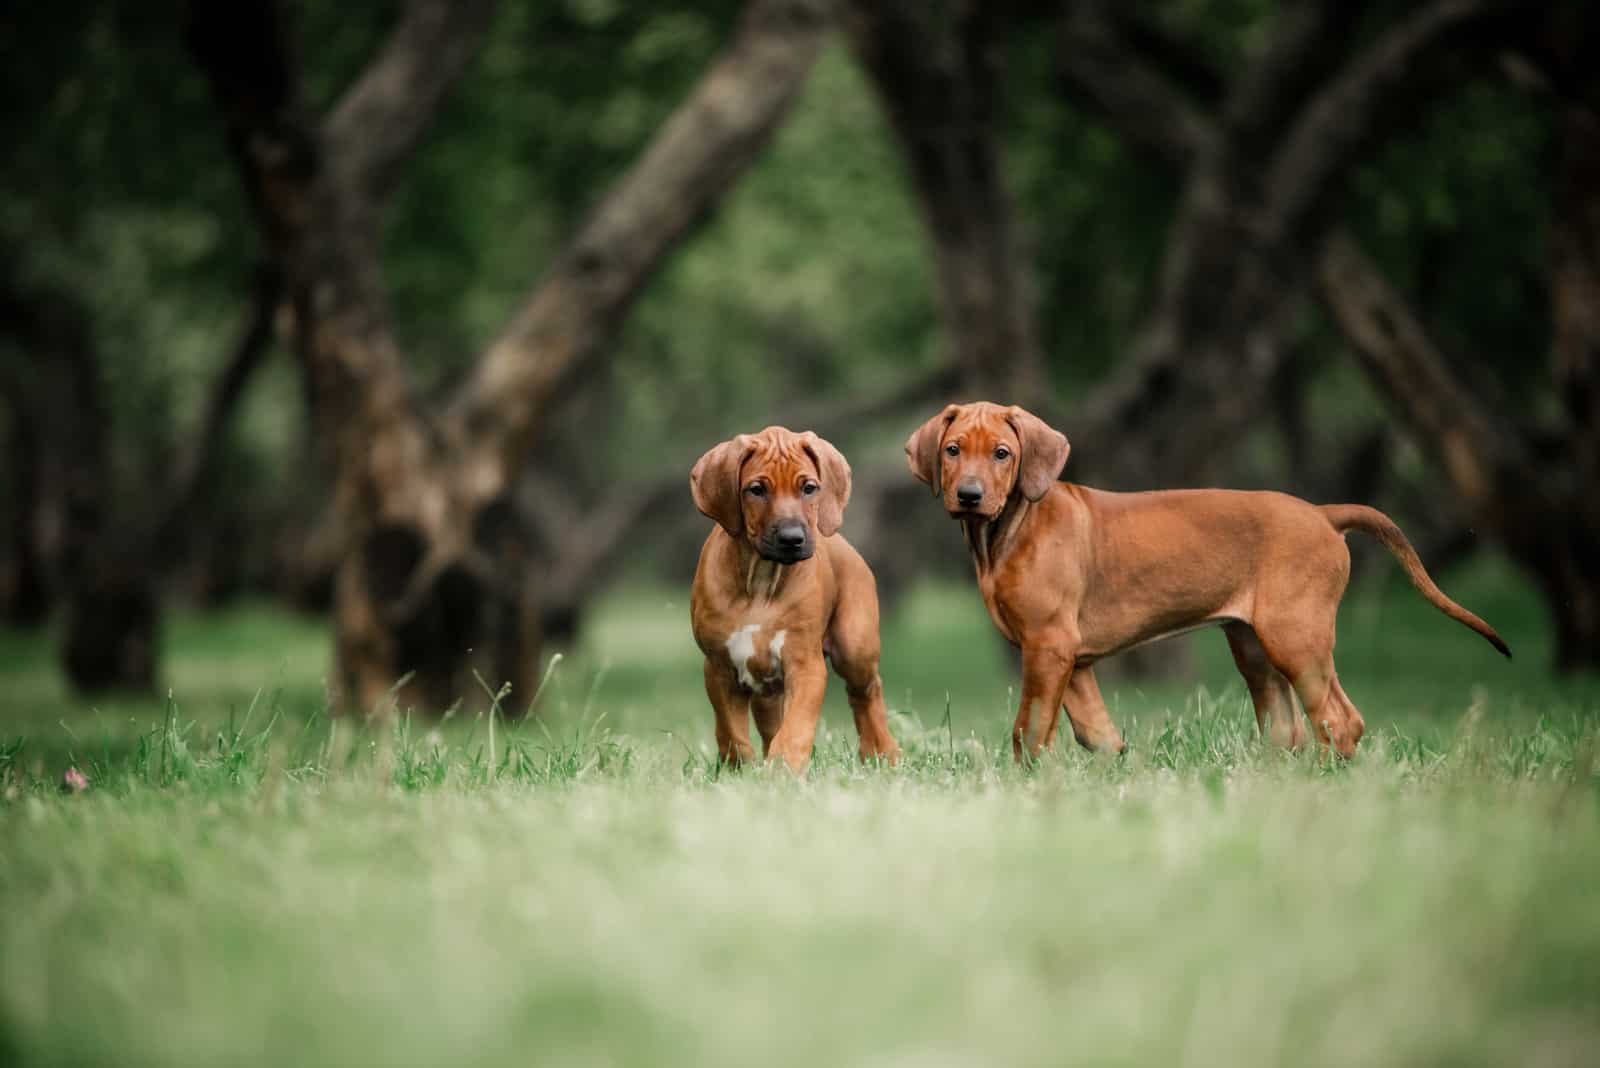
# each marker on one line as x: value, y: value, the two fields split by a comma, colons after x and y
x: 433, y: 597
x: 1526, y: 491
x: 24, y: 591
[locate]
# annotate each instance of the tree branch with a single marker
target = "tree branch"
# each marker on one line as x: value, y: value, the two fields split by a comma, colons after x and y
x: 837, y: 418
x: 1351, y: 111
x: 1109, y: 74
x: 378, y: 122
x: 1177, y: 61
x: 227, y: 390
x: 1306, y: 40
x: 693, y: 160
x: 1226, y: 204
x: 1223, y: 307
x: 1477, y: 448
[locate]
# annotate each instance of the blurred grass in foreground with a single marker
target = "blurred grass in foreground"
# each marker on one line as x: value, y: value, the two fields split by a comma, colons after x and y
x: 247, y: 881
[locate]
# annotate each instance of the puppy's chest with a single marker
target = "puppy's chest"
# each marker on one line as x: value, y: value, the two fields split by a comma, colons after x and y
x: 1010, y: 599
x: 755, y: 648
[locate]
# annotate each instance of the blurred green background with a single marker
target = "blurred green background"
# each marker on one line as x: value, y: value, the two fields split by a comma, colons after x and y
x: 819, y: 280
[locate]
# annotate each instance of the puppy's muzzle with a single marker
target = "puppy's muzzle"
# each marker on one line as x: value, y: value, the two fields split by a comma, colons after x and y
x: 787, y: 542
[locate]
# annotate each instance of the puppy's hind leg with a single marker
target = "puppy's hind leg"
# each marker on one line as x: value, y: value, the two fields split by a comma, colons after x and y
x: 1354, y: 725
x: 1305, y: 656
x: 1277, y: 718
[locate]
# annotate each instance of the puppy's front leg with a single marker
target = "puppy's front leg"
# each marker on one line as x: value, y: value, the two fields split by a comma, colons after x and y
x: 731, y: 704
x: 805, y: 680
x: 1046, y: 668
x: 767, y: 708
x: 1091, y: 723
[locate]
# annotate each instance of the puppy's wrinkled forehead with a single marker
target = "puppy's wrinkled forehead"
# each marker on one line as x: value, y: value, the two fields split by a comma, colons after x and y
x: 983, y: 422
x: 779, y: 454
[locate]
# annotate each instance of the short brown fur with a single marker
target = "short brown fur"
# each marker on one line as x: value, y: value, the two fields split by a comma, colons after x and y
x: 1072, y: 574
x: 765, y: 621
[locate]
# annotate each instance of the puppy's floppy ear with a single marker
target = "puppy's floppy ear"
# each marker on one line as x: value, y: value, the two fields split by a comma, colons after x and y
x: 714, y: 481
x: 833, y: 472
x: 1044, y: 452
x: 922, y: 447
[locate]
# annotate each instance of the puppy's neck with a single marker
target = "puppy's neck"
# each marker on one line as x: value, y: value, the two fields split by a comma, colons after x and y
x: 988, y: 540
x: 760, y: 579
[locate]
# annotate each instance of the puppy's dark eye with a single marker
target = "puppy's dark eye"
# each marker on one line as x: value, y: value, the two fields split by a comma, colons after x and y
x: 809, y: 488
x: 952, y: 449
x: 756, y: 489
x: 1001, y: 452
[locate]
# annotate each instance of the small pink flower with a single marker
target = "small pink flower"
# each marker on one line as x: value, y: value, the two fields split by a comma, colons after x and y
x: 73, y: 781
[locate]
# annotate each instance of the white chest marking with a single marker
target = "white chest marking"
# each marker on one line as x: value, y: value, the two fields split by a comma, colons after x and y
x: 742, y: 649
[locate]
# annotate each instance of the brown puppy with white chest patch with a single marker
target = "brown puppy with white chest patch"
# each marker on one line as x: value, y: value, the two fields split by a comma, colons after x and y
x: 776, y: 590
x: 1072, y: 574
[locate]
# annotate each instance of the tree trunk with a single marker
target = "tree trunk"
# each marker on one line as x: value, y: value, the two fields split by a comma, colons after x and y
x: 111, y: 641
x: 1569, y: 577
x: 936, y: 68
x: 111, y: 631
x: 1573, y: 560
x: 1528, y: 496
x: 433, y: 590
x: 24, y: 591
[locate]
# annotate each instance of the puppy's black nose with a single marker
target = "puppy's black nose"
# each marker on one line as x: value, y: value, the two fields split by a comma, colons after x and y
x: 969, y: 493
x: 792, y: 535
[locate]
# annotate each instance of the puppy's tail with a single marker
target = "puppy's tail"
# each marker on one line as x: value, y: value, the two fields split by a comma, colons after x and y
x: 1371, y: 521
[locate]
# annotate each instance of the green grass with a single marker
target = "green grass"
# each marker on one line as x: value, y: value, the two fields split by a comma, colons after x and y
x: 247, y: 881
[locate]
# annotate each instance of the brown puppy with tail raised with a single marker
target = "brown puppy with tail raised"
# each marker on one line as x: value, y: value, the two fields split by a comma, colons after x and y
x: 1072, y: 574
x: 777, y: 590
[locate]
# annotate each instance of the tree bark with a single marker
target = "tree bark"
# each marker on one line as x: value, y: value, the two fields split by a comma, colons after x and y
x: 1575, y: 290
x: 433, y: 585
x: 936, y: 69
x: 24, y: 589
x: 378, y: 122
x: 110, y: 621
x: 111, y: 630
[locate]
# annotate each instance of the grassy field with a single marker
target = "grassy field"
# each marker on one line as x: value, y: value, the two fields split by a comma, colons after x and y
x: 246, y: 881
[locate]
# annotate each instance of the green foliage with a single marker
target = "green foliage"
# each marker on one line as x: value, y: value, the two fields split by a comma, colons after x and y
x: 1459, y: 215
x: 1094, y: 218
